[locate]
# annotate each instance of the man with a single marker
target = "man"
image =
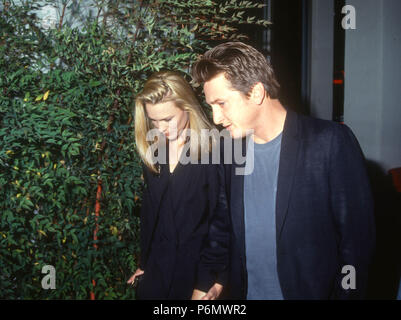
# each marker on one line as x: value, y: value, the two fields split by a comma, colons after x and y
x: 302, y: 221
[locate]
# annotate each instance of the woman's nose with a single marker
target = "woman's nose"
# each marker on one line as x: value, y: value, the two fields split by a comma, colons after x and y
x: 162, y: 128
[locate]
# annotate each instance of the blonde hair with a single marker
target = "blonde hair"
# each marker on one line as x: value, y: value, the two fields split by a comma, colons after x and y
x: 167, y: 86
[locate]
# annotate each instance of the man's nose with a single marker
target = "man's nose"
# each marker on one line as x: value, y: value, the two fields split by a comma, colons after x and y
x: 217, y: 115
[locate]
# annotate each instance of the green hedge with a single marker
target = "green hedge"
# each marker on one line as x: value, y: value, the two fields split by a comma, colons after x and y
x: 66, y: 132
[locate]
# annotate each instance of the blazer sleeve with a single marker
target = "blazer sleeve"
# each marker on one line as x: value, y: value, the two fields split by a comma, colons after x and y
x: 215, y: 254
x: 144, y: 223
x: 353, y: 212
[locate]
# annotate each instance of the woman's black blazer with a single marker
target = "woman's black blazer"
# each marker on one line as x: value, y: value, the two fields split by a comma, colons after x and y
x: 200, y: 223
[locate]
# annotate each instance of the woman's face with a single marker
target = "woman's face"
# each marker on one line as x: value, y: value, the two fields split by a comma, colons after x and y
x: 167, y: 118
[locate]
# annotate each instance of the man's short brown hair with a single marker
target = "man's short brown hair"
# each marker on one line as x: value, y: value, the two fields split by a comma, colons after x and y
x: 242, y: 65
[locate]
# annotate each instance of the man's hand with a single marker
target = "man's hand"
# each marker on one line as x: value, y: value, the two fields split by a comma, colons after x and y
x: 213, y: 293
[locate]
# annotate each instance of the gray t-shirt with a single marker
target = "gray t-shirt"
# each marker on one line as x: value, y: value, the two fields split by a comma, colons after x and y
x: 260, y: 188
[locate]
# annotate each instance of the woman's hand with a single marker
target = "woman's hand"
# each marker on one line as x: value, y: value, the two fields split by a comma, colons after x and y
x: 138, y: 272
x: 213, y: 293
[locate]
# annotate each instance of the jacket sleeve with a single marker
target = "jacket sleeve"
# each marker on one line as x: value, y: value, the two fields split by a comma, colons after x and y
x: 215, y: 254
x: 145, y: 207
x: 353, y: 214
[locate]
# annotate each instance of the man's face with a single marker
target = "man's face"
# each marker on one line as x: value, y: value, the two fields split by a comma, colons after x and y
x: 231, y: 108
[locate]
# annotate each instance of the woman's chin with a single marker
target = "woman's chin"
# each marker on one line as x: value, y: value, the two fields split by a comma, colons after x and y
x: 171, y: 138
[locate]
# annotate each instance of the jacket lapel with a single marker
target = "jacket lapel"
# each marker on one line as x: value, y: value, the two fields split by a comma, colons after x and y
x: 237, y: 201
x: 158, y: 187
x: 287, y: 169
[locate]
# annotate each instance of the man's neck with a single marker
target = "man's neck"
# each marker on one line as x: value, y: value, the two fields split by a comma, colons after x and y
x: 270, y: 122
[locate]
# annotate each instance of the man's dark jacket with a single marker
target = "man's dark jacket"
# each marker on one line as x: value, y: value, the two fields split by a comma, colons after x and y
x: 324, y: 214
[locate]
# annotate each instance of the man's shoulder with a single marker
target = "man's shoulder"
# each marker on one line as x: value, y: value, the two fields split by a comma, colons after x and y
x: 312, y: 122
x: 309, y: 126
x: 319, y: 133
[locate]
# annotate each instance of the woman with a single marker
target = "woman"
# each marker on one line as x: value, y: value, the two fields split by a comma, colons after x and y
x: 184, y: 217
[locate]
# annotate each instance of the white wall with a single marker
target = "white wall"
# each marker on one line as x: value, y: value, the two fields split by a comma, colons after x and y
x: 391, y: 115
x: 372, y: 106
x: 321, y: 59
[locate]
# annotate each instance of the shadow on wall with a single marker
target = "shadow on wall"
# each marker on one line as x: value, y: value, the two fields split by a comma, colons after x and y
x: 385, y: 271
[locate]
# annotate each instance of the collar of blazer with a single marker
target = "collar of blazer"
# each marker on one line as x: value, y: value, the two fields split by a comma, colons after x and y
x: 287, y: 171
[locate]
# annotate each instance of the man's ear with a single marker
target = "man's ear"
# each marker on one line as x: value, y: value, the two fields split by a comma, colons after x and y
x: 258, y: 93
